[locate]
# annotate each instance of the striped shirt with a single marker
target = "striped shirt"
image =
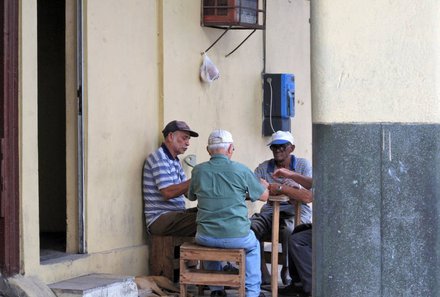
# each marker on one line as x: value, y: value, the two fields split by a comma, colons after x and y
x: 161, y: 170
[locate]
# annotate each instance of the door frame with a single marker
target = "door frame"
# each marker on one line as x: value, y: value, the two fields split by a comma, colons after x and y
x: 9, y: 197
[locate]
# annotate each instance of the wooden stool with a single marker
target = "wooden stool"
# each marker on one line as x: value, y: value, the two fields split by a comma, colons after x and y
x: 164, y: 255
x: 194, y: 276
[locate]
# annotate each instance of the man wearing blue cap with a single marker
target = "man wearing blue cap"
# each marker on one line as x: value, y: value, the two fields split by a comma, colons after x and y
x: 282, y: 145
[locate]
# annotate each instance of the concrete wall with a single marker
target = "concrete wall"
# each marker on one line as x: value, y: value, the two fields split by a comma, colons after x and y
x: 376, y: 127
x: 142, y: 62
x: 120, y: 119
x: 29, y: 215
x: 376, y: 61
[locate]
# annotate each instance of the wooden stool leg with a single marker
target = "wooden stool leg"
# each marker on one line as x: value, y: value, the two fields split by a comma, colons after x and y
x: 275, y: 235
x: 183, y: 270
x: 182, y: 290
x: 242, y: 269
x: 164, y: 255
x: 161, y: 257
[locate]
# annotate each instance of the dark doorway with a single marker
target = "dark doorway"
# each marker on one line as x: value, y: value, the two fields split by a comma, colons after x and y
x: 52, y: 126
x: 9, y: 195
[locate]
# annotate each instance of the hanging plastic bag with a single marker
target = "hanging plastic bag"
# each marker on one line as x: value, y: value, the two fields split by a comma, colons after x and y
x: 208, y: 71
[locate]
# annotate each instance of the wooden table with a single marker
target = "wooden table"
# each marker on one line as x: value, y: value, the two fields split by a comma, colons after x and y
x: 275, y: 234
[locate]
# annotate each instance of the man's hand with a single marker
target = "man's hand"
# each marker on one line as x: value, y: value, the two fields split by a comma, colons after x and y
x: 283, y: 173
x: 264, y: 183
x: 275, y: 189
x: 265, y: 194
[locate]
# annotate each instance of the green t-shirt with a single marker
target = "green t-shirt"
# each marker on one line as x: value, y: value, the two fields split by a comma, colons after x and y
x: 221, y: 186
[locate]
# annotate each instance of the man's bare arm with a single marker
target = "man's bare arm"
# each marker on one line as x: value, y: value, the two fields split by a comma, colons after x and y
x: 265, y: 194
x: 303, y: 180
x: 299, y: 194
x: 175, y: 190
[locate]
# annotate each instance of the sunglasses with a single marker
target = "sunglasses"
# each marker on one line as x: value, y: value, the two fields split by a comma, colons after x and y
x: 279, y: 147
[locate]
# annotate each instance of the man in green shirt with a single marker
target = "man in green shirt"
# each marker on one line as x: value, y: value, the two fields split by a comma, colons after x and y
x: 221, y: 186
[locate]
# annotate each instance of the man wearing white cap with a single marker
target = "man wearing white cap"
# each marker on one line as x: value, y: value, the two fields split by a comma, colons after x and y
x: 282, y: 145
x: 221, y: 186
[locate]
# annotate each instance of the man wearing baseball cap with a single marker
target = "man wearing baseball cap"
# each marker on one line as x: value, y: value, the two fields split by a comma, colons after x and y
x: 282, y: 145
x: 165, y: 184
x: 220, y: 186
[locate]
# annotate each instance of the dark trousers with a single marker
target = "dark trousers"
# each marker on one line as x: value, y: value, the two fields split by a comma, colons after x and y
x: 178, y: 223
x: 300, y: 257
x: 261, y: 223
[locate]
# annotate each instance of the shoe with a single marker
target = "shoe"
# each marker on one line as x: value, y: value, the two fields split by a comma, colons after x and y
x: 291, y: 290
x: 191, y: 264
x: 285, y: 277
x: 218, y: 293
x: 261, y: 295
x: 229, y: 267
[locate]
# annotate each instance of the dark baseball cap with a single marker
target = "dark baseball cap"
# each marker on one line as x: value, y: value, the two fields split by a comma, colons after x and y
x: 178, y: 126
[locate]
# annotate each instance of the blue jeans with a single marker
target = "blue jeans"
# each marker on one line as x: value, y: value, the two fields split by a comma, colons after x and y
x: 252, y: 248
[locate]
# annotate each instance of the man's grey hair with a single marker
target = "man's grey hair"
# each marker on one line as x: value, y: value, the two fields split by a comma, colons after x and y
x: 219, y: 146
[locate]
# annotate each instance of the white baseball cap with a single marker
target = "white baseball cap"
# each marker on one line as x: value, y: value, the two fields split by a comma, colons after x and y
x: 220, y: 136
x: 282, y: 137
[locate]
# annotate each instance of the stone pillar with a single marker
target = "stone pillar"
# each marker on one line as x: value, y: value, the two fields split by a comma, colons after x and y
x: 376, y: 147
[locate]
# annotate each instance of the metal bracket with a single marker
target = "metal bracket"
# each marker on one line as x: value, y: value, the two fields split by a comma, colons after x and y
x: 241, y: 43
x: 223, y: 34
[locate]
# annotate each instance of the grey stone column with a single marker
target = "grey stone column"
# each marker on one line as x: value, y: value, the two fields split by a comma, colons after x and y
x: 376, y: 148
x: 376, y: 210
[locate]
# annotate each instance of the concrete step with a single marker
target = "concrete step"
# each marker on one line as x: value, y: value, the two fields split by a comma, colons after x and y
x: 96, y: 285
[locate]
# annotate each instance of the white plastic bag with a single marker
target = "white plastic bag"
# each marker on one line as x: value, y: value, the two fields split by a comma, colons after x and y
x: 208, y: 71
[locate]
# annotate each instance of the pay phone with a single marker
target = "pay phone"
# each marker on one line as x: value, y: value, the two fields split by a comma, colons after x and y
x: 278, y: 102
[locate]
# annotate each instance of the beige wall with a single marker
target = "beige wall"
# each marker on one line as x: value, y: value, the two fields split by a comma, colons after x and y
x: 28, y: 137
x: 141, y: 71
x: 368, y: 83
x: 288, y: 50
x: 233, y: 102
x: 121, y: 119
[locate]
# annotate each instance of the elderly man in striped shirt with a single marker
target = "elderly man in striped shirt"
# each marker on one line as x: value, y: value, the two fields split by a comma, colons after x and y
x: 165, y: 185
